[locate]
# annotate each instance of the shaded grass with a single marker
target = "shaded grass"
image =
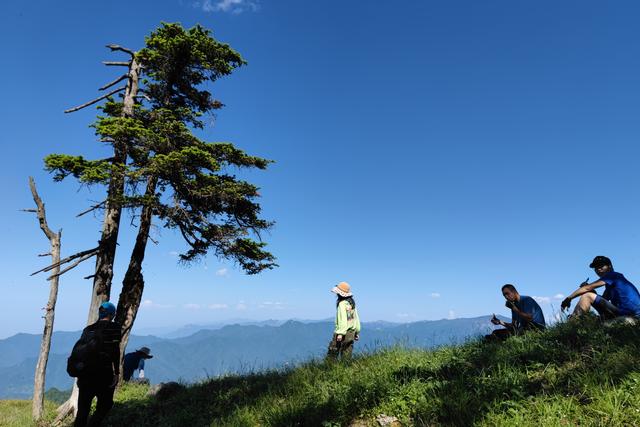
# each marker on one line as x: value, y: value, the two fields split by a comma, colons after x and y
x: 573, y: 374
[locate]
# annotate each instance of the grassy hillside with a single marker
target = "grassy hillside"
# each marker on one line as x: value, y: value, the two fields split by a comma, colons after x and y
x: 233, y: 349
x: 573, y: 374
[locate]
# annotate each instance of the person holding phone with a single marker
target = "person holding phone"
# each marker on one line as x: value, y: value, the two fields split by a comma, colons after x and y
x: 526, y: 314
x: 619, y: 299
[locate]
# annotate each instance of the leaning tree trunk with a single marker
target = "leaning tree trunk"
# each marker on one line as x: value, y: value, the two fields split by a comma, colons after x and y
x: 45, y: 345
x: 133, y: 282
x: 111, y: 225
x: 105, y: 258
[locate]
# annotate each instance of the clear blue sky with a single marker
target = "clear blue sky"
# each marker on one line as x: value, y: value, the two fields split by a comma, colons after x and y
x: 426, y: 151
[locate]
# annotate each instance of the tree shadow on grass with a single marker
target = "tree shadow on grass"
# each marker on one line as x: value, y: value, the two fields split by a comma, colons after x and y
x: 198, y: 404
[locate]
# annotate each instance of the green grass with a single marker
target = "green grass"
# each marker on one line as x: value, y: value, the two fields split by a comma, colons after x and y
x: 573, y: 374
x: 17, y: 413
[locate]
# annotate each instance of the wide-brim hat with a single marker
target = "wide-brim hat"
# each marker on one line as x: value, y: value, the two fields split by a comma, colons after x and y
x: 146, y: 352
x: 343, y: 289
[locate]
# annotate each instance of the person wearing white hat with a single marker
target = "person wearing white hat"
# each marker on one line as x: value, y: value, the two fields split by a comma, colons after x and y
x: 347, y: 325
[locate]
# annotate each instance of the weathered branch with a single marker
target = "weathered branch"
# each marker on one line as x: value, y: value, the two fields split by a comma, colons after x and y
x: 92, y: 208
x: 80, y: 107
x: 72, y: 266
x: 115, y: 47
x: 42, y: 219
x: 68, y: 259
x: 117, y: 63
x: 47, y: 254
x: 119, y: 79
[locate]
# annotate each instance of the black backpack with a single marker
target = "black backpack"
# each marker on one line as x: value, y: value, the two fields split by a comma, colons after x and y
x: 86, y: 356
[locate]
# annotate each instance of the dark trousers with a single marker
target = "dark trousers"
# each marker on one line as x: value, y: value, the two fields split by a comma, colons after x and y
x: 87, y: 390
x: 503, y: 334
x: 499, y: 334
x: 342, y: 348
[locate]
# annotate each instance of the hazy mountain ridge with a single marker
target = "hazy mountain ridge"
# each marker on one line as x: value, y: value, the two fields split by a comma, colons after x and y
x: 228, y: 349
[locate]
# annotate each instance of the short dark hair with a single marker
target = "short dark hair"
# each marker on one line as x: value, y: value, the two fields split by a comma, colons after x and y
x: 510, y: 287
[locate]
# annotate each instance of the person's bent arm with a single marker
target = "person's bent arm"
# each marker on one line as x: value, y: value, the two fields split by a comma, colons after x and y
x: 581, y: 291
x: 527, y: 317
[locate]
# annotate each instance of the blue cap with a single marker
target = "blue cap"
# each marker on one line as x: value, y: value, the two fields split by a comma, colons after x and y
x: 106, y: 309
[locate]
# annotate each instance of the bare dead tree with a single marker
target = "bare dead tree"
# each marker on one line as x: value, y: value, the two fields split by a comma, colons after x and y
x: 49, y: 315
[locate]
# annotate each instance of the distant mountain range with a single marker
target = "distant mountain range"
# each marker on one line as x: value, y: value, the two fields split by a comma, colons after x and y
x: 195, y: 352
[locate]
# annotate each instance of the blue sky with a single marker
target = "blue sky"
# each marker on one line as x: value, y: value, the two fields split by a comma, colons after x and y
x: 427, y: 152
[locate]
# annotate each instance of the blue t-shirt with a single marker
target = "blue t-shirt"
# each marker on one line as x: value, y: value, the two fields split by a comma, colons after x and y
x: 622, y: 293
x: 529, y: 306
x: 132, y: 361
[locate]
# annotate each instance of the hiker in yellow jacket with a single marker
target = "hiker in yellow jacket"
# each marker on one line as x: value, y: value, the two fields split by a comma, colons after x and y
x: 347, y: 329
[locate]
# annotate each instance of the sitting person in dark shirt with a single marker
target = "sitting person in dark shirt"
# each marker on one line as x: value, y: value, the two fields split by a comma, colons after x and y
x: 135, y: 360
x: 620, y: 297
x: 526, y: 314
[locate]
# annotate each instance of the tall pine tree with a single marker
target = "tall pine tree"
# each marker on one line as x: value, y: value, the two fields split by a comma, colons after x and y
x: 170, y: 174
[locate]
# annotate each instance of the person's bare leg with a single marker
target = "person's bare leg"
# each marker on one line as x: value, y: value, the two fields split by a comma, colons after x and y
x: 584, y: 304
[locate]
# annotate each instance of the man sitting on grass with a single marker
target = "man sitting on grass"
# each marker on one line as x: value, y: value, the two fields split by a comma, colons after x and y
x: 620, y: 297
x: 526, y: 314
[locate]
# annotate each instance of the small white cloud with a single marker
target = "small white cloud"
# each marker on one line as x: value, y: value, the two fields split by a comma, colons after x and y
x: 558, y: 296
x: 192, y: 306
x: 272, y: 305
x: 174, y: 253
x: 223, y: 272
x: 148, y: 304
x: 452, y: 315
x: 435, y: 295
x: 241, y: 306
x: 542, y: 300
x: 218, y: 306
x: 229, y: 6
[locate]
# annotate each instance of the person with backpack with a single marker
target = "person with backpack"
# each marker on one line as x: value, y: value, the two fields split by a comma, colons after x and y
x: 347, y: 325
x: 135, y: 360
x: 95, y: 361
x: 619, y: 299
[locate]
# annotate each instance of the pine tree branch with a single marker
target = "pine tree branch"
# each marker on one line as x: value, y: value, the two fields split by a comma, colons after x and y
x: 72, y: 266
x: 92, y: 208
x: 80, y: 107
x: 119, y: 79
x: 117, y: 63
x: 68, y: 259
x: 115, y: 47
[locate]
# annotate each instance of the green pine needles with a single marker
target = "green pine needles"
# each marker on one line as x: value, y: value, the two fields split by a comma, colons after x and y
x: 188, y: 183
